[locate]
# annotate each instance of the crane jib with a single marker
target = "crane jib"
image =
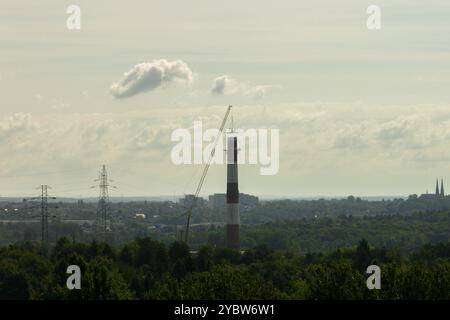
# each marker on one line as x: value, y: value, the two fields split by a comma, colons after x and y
x: 205, y: 172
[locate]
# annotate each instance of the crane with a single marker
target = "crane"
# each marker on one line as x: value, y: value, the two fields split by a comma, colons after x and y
x: 204, y: 173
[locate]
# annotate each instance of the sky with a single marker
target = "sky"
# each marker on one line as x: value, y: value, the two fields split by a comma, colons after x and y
x: 361, y: 112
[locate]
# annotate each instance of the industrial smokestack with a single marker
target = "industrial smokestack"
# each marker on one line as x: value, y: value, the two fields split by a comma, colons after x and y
x: 232, y: 220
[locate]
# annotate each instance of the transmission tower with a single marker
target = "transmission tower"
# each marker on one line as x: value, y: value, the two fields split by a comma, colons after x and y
x: 44, y: 214
x: 103, y: 218
x: 43, y: 197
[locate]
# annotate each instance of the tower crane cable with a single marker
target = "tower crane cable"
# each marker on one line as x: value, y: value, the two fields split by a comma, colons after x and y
x: 204, y: 173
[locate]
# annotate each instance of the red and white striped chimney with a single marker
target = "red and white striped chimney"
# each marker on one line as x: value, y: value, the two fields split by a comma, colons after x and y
x: 232, y: 219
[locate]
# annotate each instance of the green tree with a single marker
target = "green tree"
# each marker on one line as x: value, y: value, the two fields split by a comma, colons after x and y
x: 227, y: 282
x: 127, y: 255
x: 205, y: 258
x: 104, y: 282
x: 180, y: 259
x: 178, y: 250
x: 335, y: 281
x: 227, y: 256
x: 153, y: 254
x: 363, y: 257
x: 14, y: 283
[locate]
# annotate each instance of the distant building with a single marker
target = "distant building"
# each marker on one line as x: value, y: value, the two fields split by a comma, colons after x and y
x: 218, y: 201
x: 140, y: 216
x: 438, y: 193
x: 190, y: 200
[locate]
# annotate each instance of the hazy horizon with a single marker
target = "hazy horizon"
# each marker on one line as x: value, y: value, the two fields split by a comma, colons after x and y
x: 205, y: 196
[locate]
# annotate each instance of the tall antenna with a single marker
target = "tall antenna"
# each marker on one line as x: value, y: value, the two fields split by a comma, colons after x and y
x: 103, y: 218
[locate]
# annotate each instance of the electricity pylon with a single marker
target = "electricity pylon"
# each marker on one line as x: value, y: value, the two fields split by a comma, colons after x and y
x: 44, y: 212
x: 103, y: 218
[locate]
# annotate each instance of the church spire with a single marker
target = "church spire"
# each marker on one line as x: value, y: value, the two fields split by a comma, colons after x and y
x: 442, y: 187
x: 437, y: 187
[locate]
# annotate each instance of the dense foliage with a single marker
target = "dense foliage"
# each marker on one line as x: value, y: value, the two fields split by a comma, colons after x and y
x: 148, y: 269
x: 326, y: 234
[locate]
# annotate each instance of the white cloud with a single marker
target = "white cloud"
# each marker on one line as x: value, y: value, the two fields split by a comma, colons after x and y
x: 148, y: 76
x: 225, y: 85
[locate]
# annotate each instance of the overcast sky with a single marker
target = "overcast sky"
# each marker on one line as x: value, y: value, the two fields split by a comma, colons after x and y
x: 359, y: 112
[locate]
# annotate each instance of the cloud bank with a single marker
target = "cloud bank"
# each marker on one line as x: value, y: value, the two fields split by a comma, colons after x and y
x: 325, y: 148
x: 148, y: 76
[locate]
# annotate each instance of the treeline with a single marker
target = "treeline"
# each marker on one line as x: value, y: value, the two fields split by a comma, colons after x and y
x: 148, y: 269
x: 281, y: 210
x: 324, y: 234
x: 327, y: 234
x: 278, y: 210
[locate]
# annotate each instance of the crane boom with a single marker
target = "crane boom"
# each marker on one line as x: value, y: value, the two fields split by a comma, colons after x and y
x: 205, y: 172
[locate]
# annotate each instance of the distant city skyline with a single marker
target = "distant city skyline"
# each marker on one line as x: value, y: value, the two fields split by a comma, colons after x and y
x: 359, y: 112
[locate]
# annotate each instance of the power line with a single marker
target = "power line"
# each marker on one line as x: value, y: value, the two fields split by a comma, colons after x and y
x: 71, y: 190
